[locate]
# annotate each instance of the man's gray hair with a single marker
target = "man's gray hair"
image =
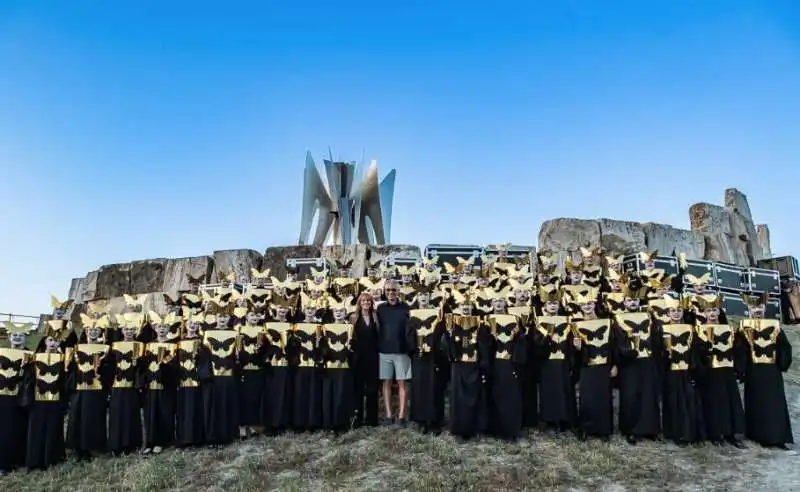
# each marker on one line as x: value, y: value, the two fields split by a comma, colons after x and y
x: 391, y: 283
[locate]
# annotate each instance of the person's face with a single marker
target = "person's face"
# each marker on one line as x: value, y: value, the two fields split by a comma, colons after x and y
x: 339, y: 314
x: 757, y: 312
x: 387, y: 274
x: 281, y: 290
x: 499, y: 305
x: 592, y: 260
x: 405, y: 278
x: 344, y: 272
x: 366, y: 303
x: 423, y: 300
x: 466, y: 309
x: 588, y: 307
x: 128, y: 332
x: 544, y: 279
x: 675, y: 314
x: 310, y: 312
x: 551, y: 308
x: 575, y: 277
x: 161, y: 330
x: 650, y: 265
x: 315, y: 294
x: 59, y: 313
x: 16, y: 339
x: 455, y: 277
x: 631, y: 304
x: 281, y: 312
x: 222, y: 320
x: 241, y: 302
x: 391, y: 292
x: 253, y: 318
x: 319, y: 280
x: 194, y: 288
x: 51, y: 344
x: 482, y: 282
x: 521, y: 295
x: 372, y: 272
x: 661, y: 292
x: 377, y: 293
x: 698, y: 289
x: 430, y: 267
x: 192, y: 328
x: 93, y: 333
x: 711, y: 315
x: 614, y: 285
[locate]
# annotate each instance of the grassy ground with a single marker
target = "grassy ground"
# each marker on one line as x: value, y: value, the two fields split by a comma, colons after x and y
x: 403, y: 459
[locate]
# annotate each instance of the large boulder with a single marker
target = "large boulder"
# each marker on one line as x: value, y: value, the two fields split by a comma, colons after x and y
x: 113, y: 280
x: 147, y: 275
x: 762, y: 231
x: 238, y: 260
x: 621, y: 236
x: 175, y: 279
x: 668, y: 240
x: 275, y: 257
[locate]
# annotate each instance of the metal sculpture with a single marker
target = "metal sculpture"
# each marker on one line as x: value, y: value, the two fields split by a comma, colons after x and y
x: 351, y: 207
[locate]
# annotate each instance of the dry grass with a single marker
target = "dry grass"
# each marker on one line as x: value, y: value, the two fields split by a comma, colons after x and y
x: 403, y: 459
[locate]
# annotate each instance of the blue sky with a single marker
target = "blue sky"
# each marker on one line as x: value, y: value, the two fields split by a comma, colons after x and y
x: 175, y: 130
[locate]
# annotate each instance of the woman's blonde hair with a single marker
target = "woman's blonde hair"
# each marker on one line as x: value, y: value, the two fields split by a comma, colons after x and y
x: 373, y: 311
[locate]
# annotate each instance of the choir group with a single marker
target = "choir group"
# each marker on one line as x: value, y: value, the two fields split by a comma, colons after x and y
x: 494, y: 349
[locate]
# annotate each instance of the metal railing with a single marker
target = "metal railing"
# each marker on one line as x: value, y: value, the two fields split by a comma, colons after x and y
x: 17, y: 319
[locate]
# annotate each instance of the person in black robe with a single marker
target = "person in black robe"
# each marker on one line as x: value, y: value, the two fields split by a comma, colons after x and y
x: 189, y: 420
x: 253, y: 366
x: 717, y: 376
x: 46, y: 395
x: 366, y: 361
x: 681, y: 410
x: 507, y: 359
x: 279, y: 392
x: 88, y: 379
x: 429, y: 363
x: 15, y: 361
x: 338, y: 407
x: 769, y: 355
x: 158, y: 375
x: 307, y: 404
x: 592, y: 338
x: 553, y: 339
x: 469, y: 348
x: 638, y: 352
x: 218, y: 371
x: 124, y: 406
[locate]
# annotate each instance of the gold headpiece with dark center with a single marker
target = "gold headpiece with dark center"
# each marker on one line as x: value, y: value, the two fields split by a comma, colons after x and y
x: 757, y: 300
x: 549, y: 293
x: 633, y: 287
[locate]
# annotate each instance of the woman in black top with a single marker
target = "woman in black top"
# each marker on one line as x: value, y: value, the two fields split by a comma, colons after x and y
x: 365, y: 361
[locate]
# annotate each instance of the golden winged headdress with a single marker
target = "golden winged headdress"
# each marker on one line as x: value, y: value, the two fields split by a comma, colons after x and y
x: 25, y: 328
x: 462, y: 298
x: 430, y: 263
x: 634, y: 288
x: 227, y: 276
x: 200, y: 279
x: 517, y: 284
x: 581, y: 298
x: 288, y: 301
x: 660, y: 283
x: 262, y: 274
x: 697, y: 281
x: 491, y: 294
x: 647, y: 257
x: 170, y: 319
x: 461, y: 266
x: 347, y: 303
x: 549, y: 293
x: 58, y: 304
x: 218, y: 305
x: 135, y: 302
x: 670, y: 302
x: 755, y: 301
x: 406, y: 269
x: 102, y: 323
x: 572, y: 267
x: 589, y: 253
x: 614, y: 263
x: 706, y: 301
x: 98, y: 307
x: 319, y: 303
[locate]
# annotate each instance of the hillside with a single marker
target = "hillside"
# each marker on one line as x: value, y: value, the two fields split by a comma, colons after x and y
x: 403, y: 459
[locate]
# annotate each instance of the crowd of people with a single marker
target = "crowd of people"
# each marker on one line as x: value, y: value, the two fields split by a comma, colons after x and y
x: 474, y: 350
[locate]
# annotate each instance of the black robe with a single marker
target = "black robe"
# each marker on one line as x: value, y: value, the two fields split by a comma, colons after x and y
x: 681, y: 411
x: 124, y: 406
x: 189, y: 417
x: 469, y: 347
x: 46, y: 397
x: 508, y: 357
x: 307, y: 390
x: 429, y: 366
x: 14, y: 363
x: 88, y: 380
x: 279, y: 391
x: 338, y: 406
x: 559, y: 372
x: 253, y: 367
x: 219, y: 376
x: 640, y: 375
x: 365, y: 372
x: 159, y: 374
x: 766, y: 413
x: 596, y: 404
x: 717, y: 381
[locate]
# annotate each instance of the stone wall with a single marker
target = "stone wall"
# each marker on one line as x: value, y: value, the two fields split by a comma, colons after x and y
x: 718, y: 232
x: 168, y: 275
x: 725, y: 233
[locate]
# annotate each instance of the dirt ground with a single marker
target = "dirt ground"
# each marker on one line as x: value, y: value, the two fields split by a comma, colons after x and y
x: 403, y: 459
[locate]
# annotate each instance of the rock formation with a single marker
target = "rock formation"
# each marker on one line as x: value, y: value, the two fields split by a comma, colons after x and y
x: 724, y: 233
x: 720, y: 233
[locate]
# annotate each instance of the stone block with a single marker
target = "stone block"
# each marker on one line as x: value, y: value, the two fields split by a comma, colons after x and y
x: 114, y: 280
x: 238, y: 260
x: 176, y: 269
x: 762, y: 231
x: 275, y: 257
x: 667, y: 239
x: 621, y: 236
x: 148, y: 275
x: 736, y: 202
x: 707, y: 218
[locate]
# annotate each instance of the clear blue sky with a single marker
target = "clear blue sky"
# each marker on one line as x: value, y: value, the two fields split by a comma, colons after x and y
x: 143, y: 129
